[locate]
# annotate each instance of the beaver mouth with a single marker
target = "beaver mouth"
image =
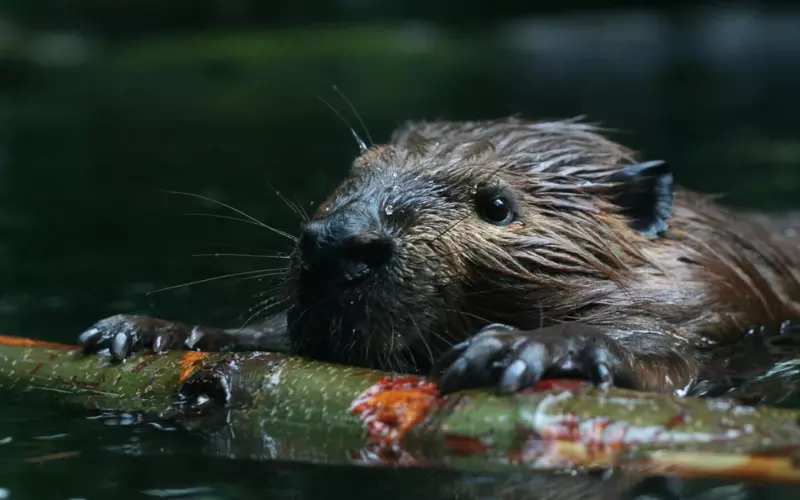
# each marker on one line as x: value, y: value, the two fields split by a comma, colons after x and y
x: 345, y: 339
x: 343, y: 304
x: 367, y: 322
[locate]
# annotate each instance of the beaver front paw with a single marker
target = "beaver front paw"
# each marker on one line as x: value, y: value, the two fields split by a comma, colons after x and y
x: 125, y: 334
x: 511, y: 359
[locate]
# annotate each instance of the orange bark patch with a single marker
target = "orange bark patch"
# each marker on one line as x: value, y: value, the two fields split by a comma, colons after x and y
x: 730, y: 466
x: 676, y: 420
x: 555, y: 385
x: 26, y: 342
x: 189, y: 362
x: 54, y: 456
x: 464, y: 444
x: 391, y: 407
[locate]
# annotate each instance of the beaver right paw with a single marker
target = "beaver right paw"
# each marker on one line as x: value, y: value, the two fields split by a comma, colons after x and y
x: 125, y: 334
x: 510, y: 359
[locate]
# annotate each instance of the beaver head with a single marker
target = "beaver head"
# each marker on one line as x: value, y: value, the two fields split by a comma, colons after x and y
x: 454, y: 225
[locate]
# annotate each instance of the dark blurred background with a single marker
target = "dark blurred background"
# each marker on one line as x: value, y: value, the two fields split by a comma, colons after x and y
x: 105, y: 103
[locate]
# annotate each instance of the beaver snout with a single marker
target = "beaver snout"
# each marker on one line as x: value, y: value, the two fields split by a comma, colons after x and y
x: 346, y: 246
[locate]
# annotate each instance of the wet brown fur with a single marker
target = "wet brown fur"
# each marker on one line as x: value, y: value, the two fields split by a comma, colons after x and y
x: 713, y: 275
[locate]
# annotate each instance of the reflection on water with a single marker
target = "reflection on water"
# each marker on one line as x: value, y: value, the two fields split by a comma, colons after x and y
x: 93, y: 127
x: 65, y: 456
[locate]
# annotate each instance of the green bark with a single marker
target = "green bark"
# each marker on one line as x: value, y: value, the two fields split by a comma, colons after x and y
x: 266, y: 405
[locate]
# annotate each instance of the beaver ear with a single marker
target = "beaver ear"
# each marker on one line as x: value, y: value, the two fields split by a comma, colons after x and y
x: 644, y: 193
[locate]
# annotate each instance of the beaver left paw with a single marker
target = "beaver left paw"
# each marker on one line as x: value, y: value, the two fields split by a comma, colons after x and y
x: 511, y: 359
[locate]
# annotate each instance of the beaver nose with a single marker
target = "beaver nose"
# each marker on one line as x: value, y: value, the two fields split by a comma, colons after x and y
x: 346, y: 244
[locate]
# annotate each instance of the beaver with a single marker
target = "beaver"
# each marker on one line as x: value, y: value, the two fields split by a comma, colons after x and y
x: 496, y: 253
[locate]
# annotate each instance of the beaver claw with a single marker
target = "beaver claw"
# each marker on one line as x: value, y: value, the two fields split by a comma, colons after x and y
x: 512, y: 359
x: 125, y: 334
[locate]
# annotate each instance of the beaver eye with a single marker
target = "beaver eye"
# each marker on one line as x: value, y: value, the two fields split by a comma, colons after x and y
x: 497, y: 207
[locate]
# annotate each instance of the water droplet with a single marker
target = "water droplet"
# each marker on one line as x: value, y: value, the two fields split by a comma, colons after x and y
x: 389, y: 209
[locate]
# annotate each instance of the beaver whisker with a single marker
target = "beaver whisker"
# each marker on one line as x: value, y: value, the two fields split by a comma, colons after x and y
x: 274, y: 272
x: 215, y: 278
x: 336, y: 327
x: 448, y: 337
x: 244, y: 214
x: 246, y: 221
x: 261, y: 308
x: 293, y: 206
x: 391, y: 342
x: 422, y: 337
x: 359, y: 142
x: 355, y: 112
x: 410, y: 356
x: 304, y: 215
x: 279, y: 286
x: 267, y: 300
x: 302, y: 333
x: 390, y: 358
x: 252, y: 255
x: 350, y: 348
x: 462, y: 312
x: 366, y: 345
x: 390, y: 361
x: 219, y: 216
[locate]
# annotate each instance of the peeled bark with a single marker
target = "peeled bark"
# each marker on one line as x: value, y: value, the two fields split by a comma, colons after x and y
x: 268, y: 405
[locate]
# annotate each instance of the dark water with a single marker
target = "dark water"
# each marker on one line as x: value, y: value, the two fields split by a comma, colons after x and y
x: 93, y: 126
